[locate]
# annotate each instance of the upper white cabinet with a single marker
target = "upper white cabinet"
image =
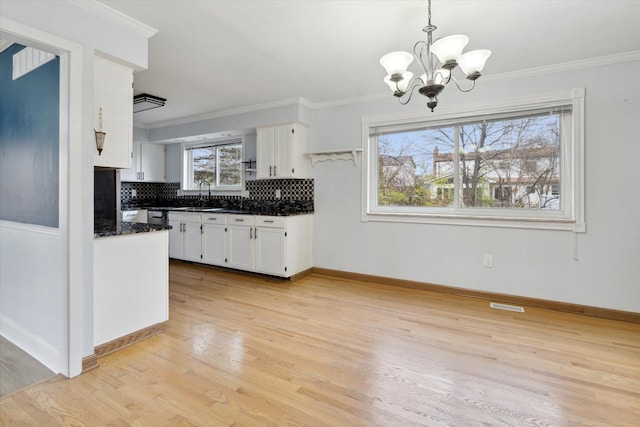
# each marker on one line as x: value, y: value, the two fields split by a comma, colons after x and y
x: 113, y: 93
x: 148, y: 163
x: 280, y: 151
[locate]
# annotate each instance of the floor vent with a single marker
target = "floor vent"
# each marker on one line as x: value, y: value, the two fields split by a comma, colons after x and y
x: 506, y: 307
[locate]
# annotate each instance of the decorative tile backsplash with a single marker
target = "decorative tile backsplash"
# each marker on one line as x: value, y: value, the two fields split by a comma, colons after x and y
x: 296, y: 195
x: 147, y: 190
x: 290, y: 189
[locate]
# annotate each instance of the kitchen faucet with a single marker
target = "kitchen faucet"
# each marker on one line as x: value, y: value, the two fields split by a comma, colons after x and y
x: 200, y: 188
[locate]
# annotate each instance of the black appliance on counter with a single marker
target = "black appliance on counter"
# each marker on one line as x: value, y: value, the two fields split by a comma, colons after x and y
x: 106, y: 195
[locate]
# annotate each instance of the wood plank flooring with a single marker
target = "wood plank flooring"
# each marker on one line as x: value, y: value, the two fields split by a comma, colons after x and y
x: 240, y: 350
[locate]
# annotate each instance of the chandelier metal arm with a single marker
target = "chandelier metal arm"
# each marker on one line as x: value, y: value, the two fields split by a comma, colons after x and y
x: 415, y: 83
x: 473, y: 84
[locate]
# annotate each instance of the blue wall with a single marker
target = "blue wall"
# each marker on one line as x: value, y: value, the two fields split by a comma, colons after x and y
x: 29, y: 142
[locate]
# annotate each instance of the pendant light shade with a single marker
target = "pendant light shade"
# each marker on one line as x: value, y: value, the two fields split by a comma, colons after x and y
x: 402, y: 85
x: 396, y: 62
x: 449, y: 48
x: 473, y: 62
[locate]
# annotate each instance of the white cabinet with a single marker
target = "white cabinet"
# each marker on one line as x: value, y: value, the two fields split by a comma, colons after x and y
x: 113, y: 93
x: 275, y: 245
x: 240, y: 241
x: 280, y: 151
x: 214, y: 239
x: 185, y: 236
x: 147, y: 163
x: 270, y: 245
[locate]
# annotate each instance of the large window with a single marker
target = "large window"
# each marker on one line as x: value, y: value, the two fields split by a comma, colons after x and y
x: 216, y: 165
x: 517, y: 165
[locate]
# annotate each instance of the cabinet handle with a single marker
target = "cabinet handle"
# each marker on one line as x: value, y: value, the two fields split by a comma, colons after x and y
x: 250, y: 233
x: 274, y: 171
x: 255, y: 233
x: 270, y: 221
x: 239, y: 219
x: 213, y: 219
x: 270, y: 169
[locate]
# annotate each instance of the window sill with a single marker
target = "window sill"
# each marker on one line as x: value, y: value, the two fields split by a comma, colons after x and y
x: 476, y: 221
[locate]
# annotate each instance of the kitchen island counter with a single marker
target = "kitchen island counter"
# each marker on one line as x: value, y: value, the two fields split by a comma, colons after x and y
x: 111, y: 228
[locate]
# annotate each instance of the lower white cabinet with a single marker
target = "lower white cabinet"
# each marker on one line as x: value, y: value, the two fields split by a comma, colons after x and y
x: 275, y: 245
x: 185, y: 236
x: 271, y: 246
x: 214, y: 239
x: 240, y: 243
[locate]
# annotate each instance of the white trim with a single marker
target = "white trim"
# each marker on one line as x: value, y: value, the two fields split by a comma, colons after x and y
x: 113, y: 15
x: 571, y: 218
x: 70, y: 172
x: 512, y: 75
x: 32, y: 344
x: 230, y: 112
x: 41, y: 229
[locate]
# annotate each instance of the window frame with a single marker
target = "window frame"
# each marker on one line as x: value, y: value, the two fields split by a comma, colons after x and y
x: 187, y: 165
x: 570, y: 216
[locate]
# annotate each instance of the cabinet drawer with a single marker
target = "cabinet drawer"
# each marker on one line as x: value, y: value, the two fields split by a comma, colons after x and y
x: 187, y: 217
x: 214, y: 218
x: 248, y: 220
x: 271, y: 221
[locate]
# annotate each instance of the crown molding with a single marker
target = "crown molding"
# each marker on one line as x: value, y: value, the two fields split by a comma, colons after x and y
x: 512, y: 75
x: 582, y: 64
x: 230, y: 112
x: 113, y: 15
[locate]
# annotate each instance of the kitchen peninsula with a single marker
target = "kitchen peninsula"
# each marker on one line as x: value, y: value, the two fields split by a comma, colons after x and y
x: 131, y: 282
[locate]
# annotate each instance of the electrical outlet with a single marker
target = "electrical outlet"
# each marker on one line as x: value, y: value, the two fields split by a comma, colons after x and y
x: 278, y: 193
x: 488, y: 261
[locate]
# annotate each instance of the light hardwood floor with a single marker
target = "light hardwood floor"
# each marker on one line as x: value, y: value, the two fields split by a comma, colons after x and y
x: 248, y: 351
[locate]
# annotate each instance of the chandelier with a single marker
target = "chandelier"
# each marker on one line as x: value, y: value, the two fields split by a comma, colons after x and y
x: 437, y: 60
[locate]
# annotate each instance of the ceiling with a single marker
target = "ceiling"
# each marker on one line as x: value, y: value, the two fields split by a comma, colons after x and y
x: 214, y: 55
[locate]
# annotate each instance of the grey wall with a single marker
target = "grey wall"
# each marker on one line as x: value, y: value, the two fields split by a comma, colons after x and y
x: 29, y: 142
x: 598, y: 268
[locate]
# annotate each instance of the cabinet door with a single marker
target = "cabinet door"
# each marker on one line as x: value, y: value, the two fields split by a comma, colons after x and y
x: 176, y: 240
x: 270, y: 250
x: 283, y: 152
x: 240, y: 247
x: 214, y: 243
x: 113, y: 92
x: 152, y: 162
x: 192, y: 241
x: 265, y: 152
x: 131, y: 174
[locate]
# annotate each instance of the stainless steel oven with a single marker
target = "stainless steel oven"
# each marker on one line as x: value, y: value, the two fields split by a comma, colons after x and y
x: 157, y: 217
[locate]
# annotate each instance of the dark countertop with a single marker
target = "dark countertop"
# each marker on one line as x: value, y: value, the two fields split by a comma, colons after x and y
x: 265, y: 212
x: 110, y: 228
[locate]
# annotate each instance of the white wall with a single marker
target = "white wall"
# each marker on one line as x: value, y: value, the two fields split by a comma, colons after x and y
x: 65, y: 28
x: 530, y: 263
x: 32, y: 302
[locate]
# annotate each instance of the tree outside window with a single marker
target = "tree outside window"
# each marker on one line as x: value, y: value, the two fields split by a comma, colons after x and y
x: 505, y: 163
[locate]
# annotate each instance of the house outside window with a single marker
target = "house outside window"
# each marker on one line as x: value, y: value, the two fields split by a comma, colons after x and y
x: 521, y: 164
x: 216, y: 165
